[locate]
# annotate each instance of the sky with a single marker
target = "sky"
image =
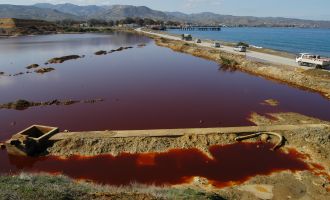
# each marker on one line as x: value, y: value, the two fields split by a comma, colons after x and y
x: 305, y: 9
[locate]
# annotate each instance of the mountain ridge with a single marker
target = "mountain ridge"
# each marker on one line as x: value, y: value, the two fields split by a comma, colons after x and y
x: 32, y: 12
x: 52, y: 12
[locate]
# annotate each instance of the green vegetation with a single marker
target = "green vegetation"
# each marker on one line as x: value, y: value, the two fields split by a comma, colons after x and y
x: 228, y: 62
x: 110, y: 23
x: 85, y: 30
x: 47, y: 187
x: 164, y: 40
x: 41, y: 187
x: 187, y: 194
x: 243, y: 44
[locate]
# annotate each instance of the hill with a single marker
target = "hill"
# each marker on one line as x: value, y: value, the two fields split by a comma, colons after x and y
x: 53, y: 12
x: 32, y: 12
x: 81, y: 11
x: 229, y: 20
x: 117, y: 12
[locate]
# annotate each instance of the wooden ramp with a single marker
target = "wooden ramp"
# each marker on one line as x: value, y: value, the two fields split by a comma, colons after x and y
x: 181, y: 132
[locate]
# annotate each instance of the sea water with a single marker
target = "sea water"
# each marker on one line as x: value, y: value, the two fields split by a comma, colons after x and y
x: 293, y: 40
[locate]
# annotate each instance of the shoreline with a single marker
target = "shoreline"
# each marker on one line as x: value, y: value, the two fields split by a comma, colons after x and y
x: 315, y: 80
x: 252, y: 47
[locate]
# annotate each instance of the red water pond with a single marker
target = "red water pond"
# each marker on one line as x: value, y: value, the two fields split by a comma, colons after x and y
x: 144, y: 88
x: 229, y: 164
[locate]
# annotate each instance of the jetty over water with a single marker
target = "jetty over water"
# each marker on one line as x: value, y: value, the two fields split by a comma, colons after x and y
x: 196, y: 28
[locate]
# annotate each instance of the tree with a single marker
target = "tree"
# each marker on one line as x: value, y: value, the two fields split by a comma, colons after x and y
x: 97, y: 22
x: 111, y: 23
x: 139, y: 21
x: 148, y: 21
x: 243, y: 44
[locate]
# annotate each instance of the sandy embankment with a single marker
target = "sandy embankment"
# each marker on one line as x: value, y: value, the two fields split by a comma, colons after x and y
x: 314, y: 141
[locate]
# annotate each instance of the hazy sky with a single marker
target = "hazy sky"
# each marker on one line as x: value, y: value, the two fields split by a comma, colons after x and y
x: 308, y: 9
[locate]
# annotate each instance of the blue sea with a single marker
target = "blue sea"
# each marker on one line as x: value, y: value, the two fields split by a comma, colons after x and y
x: 293, y: 40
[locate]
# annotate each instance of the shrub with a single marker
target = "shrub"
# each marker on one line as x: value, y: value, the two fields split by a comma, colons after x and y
x: 243, y: 44
x: 228, y: 62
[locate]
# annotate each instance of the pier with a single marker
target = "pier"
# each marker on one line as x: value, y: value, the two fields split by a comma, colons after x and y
x: 196, y: 28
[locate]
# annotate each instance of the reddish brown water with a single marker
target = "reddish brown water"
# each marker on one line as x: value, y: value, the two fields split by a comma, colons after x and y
x: 143, y: 88
x: 233, y: 163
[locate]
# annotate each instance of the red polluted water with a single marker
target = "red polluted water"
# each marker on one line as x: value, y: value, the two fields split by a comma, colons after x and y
x: 229, y: 164
x: 143, y: 88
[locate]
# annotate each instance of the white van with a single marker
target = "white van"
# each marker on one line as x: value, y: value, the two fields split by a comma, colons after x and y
x: 240, y: 49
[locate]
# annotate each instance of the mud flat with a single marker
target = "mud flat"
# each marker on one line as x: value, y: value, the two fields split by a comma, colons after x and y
x: 102, y: 52
x: 22, y: 104
x: 316, y: 80
x: 44, y: 70
x: 32, y: 66
x: 63, y: 59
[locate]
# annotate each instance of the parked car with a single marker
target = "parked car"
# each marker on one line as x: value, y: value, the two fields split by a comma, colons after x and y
x: 240, y: 49
x: 186, y: 37
x: 198, y: 41
x: 217, y: 45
